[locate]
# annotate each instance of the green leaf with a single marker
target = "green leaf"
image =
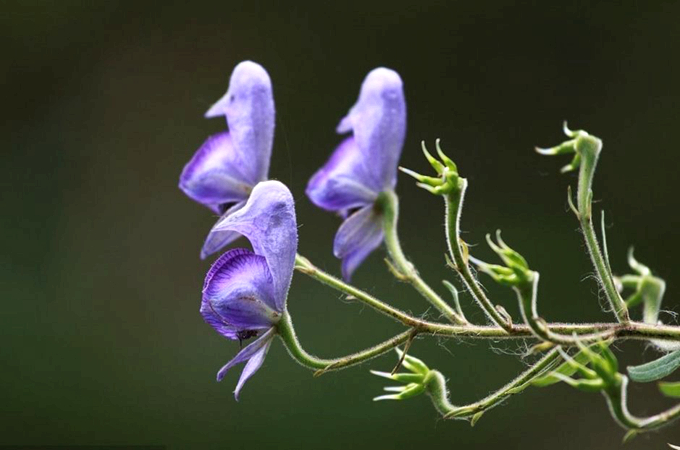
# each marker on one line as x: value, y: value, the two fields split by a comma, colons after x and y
x: 670, y: 389
x: 655, y: 370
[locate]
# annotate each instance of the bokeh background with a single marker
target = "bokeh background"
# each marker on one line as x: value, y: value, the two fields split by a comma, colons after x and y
x: 102, y: 103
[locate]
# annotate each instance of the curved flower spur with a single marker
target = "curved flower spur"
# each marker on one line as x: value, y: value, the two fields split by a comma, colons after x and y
x: 244, y: 294
x: 224, y: 170
x: 363, y: 166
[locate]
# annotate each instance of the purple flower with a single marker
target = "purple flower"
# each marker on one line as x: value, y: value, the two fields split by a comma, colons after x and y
x: 363, y: 166
x: 244, y: 294
x: 224, y: 170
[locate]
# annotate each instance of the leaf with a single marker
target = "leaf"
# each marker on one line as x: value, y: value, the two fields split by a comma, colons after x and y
x: 670, y: 389
x: 655, y: 370
x: 565, y: 369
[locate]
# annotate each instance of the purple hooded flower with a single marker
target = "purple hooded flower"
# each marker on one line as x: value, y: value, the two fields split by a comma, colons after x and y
x: 363, y: 166
x: 244, y: 294
x: 224, y: 170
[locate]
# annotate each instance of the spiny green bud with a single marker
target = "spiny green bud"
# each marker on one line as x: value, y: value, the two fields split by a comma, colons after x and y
x: 516, y: 271
x: 581, y: 144
x: 415, y: 381
x: 447, y: 179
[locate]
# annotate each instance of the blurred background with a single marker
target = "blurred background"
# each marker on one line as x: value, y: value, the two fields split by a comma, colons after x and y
x: 100, y: 279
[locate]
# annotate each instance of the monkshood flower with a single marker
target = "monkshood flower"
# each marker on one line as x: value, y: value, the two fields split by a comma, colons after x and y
x: 244, y: 294
x: 363, y: 166
x: 224, y: 170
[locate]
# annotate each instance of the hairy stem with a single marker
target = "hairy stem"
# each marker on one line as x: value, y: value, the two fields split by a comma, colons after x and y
x: 618, y: 406
x: 389, y: 201
x: 527, y: 296
x: 454, y: 206
x: 630, y: 330
x: 589, y: 148
x: 440, y: 398
x: 287, y: 334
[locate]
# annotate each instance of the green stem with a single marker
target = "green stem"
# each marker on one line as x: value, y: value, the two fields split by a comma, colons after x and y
x: 589, y: 148
x: 630, y: 330
x: 440, y: 399
x: 454, y: 207
x: 287, y: 334
x: 389, y: 201
x: 616, y: 397
x: 527, y: 296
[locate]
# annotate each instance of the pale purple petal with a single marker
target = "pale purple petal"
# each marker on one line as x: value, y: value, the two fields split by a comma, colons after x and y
x: 248, y: 352
x: 344, y: 181
x: 218, y: 239
x: 238, y: 293
x: 252, y: 366
x: 249, y: 108
x: 268, y: 221
x: 213, y: 176
x: 378, y: 122
x: 357, y: 237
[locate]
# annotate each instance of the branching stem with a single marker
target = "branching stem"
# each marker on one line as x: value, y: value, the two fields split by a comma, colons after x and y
x: 389, y: 201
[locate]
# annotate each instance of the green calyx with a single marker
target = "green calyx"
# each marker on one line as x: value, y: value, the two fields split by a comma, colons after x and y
x: 414, y: 381
x: 515, y: 273
x: 447, y: 179
x: 581, y: 144
x: 597, y: 366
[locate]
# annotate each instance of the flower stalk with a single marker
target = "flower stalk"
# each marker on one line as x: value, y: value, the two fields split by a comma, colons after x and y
x: 389, y: 202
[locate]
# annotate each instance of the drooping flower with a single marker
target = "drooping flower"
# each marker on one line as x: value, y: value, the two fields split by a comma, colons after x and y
x: 363, y: 166
x: 244, y: 294
x: 224, y: 170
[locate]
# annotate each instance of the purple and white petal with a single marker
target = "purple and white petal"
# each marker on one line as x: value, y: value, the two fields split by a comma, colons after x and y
x: 268, y: 221
x: 252, y: 366
x: 357, y: 237
x: 218, y: 239
x: 263, y: 342
x: 378, y: 121
x: 344, y: 182
x: 213, y: 176
x: 238, y: 292
x: 249, y: 108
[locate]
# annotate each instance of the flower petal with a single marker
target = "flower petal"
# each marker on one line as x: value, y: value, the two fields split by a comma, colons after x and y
x: 218, y: 239
x: 268, y: 221
x: 357, y: 237
x: 238, y: 293
x: 344, y: 182
x: 263, y: 342
x: 249, y: 108
x: 213, y: 177
x: 378, y: 121
x: 252, y: 366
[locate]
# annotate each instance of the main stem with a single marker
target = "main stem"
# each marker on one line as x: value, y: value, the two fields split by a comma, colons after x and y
x: 630, y: 330
x: 389, y: 201
x: 454, y: 206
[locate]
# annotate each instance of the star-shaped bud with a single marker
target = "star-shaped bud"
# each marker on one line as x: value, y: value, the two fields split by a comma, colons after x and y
x: 601, y: 375
x: 447, y: 179
x: 414, y: 381
x: 581, y: 144
x: 516, y: 270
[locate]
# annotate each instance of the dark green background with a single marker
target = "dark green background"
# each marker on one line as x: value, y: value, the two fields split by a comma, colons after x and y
x: 100, y: 279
